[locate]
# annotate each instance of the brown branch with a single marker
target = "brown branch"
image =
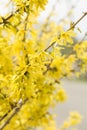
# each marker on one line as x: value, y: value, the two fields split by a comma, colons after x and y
x: 24, y: 38
x: 50, y: 46
x: 16, y: 110
x: 72, y: 27
x: 48, y: 68
x: 5, y: 20
x: 5, y: 115
x: 25, y: 27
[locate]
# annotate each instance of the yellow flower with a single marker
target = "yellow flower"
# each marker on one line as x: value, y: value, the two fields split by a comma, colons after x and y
x: 75, y: 118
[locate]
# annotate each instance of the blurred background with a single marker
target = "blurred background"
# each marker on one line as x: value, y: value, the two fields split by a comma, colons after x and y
x: 65, y: 11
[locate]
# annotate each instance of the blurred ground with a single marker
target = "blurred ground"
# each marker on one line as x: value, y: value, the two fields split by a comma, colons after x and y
x: 77, y: 101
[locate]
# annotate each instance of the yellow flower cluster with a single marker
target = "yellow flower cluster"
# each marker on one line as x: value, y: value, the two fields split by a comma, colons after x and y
x: 31, y: 70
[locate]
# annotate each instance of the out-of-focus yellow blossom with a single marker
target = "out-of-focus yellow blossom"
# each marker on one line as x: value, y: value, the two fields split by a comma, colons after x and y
x: 32, y: 64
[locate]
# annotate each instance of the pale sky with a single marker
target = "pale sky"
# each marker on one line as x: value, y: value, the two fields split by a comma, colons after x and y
x: 61, y: 9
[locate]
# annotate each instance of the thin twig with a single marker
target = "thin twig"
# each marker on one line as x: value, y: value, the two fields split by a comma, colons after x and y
x: 16, y: 110
x: 50, y: 46
x: 24, y: 38
x: 73, y: 26
x: 5, y: 115
x: 5, y: 20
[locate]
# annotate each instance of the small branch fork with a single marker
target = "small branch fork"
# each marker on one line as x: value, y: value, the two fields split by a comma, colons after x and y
x: 72, y: 27
x: 5, y: 20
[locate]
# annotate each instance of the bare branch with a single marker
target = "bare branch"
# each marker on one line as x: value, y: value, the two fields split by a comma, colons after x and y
x: 50, y: 46
x: 5, y: 20
x: 72, y: 27
x: 15, y: 111
x: 5, y: 115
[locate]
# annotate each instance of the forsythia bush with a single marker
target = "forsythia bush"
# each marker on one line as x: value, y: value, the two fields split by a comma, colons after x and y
x: 32, y: 65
